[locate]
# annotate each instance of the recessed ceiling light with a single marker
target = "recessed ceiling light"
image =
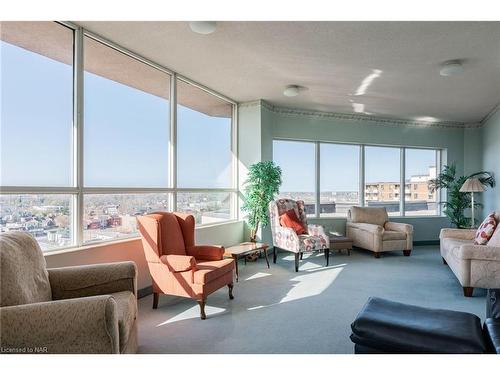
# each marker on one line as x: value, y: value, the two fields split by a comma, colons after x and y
x: 451, y: 67
x: 292, y: 90
x: 203, y: 27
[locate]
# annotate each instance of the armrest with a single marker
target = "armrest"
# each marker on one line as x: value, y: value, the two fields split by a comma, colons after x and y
x: 460, y: 234
x: 206, y: 252
x: 179, y: 263
x: 78, y: 325
x: 479, y: 252
x: 93, y: 280
x: 399, y: 227
x: 372, y: 228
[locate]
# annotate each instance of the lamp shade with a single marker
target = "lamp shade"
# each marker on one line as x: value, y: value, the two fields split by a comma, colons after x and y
x: 472, y: 185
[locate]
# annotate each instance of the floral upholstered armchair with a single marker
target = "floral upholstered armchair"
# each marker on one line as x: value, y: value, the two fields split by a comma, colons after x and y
x: 287, y: 239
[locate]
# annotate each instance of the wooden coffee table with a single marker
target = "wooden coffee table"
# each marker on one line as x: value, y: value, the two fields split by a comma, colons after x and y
x: 340, y: 243
x: 246, y: 248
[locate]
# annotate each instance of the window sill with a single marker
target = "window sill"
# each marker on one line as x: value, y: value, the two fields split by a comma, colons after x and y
x: 390, y: 217
x: 95, y: 244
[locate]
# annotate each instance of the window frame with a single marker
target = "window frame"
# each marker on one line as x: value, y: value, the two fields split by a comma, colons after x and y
x: 361, y: 190
x: 77, y: 190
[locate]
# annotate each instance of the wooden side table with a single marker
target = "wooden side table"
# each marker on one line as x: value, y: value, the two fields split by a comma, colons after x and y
x: 340, y: 243
x: 244, y: 249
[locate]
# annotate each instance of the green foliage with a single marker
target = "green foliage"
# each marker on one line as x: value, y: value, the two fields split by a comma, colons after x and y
x: 263, y: 182
x: 456, y: 201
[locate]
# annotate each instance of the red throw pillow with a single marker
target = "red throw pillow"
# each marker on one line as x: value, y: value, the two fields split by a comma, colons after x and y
x: 485, y: 230
x: 289, y: 219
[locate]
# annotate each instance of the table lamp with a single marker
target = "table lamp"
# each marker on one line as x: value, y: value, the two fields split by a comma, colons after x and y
x: 472, y: 185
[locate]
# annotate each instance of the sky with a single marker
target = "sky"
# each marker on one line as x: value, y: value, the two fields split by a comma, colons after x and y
x: 126, y: 131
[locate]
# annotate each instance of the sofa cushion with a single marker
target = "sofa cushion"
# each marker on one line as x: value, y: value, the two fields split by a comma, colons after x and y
x: 370, y: 215
x: 485, y: 230
x: 126, y: 307
x: 289, y: 219
x: 24, y: 277
x: 390, y: 235
x: 495, y: 238
x: 208, y: 271
x: 393, y: 327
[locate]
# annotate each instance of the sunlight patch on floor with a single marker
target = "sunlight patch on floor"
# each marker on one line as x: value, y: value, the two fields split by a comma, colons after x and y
x: 311, y: 284
x: 193, y: 313
x: 258, y: 275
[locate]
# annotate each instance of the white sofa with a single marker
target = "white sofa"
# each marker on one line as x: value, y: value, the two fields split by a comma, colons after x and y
x: 475, y: 266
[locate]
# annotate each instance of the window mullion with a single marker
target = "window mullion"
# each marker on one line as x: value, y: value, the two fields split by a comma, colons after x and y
x: 78, y: 136
x: 402, y: 183
x: 317, y: 182
x: 362, y: 175
x: 173, y: 143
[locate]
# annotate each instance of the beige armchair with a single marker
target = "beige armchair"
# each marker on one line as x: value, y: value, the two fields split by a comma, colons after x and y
x: 475, y: 266
x: 83, y: 309
x: 370, y: 228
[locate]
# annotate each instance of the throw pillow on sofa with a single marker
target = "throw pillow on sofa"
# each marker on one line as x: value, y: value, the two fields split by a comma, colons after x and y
x: 485, y: 230
x: 495, y: 239
x: 289, y: 219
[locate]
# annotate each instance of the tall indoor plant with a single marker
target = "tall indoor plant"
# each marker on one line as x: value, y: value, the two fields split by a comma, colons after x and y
x: 456, y: 201
x: 263, y: 182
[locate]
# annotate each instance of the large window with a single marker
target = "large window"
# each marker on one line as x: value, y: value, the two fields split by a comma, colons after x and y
x: 339, y: 183
x: 204, y: 156
x: 344, y: 178
x: 419, y: 170
x: 297, y: 161
x: 36, y: 104
x: 36, y: 132
x: 93, y: 135
x: 383, y: 178
x: 127, y: 117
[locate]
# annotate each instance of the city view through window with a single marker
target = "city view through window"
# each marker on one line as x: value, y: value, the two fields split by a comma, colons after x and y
x: 126, y: 139
x: 339, y: 177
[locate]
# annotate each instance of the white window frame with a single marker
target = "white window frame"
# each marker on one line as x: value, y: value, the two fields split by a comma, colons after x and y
x: 78, y: 190
x: 439, y: 158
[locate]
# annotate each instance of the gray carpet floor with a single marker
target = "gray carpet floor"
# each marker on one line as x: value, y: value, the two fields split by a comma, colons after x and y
x: 279, y: 311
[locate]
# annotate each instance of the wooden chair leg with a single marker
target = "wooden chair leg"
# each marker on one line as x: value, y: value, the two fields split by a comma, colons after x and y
x: 275, y: 254
x: 230, y: 286
x: 296, y: 262
x: 468, y: 291
x: 301, y: 256
x: 406, y: 253
x: 202, y: 308
x: 327, y: 256
x: 156, y: 297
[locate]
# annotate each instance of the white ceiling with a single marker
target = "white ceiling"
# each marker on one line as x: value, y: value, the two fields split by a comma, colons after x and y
x: 334, y: 60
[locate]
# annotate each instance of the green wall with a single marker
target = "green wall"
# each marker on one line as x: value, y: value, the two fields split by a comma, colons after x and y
x: 491, y: 159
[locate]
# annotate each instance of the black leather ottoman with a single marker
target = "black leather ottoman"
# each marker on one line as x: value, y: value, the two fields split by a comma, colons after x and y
x: 384, y: 326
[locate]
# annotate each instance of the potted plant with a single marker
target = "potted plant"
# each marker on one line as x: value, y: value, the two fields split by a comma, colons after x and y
x: 456, y: 201
x: 263, y: 182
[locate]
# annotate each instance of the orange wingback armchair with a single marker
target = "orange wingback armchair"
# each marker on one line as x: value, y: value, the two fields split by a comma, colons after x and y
x: 178, y: 267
